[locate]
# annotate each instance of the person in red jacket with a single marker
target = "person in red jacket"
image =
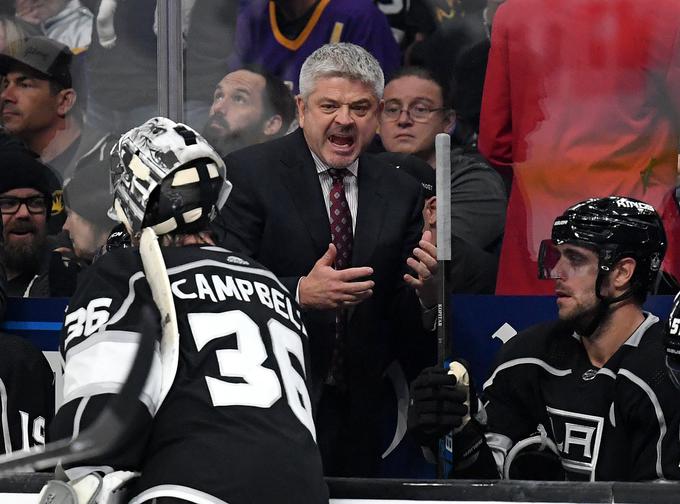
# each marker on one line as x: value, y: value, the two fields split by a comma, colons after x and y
x: 581, y: 99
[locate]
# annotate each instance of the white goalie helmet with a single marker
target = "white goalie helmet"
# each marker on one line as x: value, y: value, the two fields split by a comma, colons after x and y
x: 166, y: 176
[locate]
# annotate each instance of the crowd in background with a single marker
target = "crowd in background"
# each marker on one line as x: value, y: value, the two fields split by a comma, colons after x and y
x: 546, y: 103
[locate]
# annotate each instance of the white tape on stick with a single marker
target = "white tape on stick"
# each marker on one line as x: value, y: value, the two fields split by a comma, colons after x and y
x: 443, y: 169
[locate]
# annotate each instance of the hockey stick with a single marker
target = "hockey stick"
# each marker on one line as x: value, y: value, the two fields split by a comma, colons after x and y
x: 108, y: 430
x: 443, y: 173
x: 159, y: 283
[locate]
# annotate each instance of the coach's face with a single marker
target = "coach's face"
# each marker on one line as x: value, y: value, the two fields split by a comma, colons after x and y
x: 339, y: 119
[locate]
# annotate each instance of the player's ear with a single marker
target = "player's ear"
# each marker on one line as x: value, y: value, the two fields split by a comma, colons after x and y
x: 622, y: 272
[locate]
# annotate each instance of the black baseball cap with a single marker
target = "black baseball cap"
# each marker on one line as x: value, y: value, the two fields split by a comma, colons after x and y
x: 416, y: 168
x: 48, y: 57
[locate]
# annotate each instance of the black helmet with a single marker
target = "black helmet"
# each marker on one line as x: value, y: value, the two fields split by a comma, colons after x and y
x: 616, y: 227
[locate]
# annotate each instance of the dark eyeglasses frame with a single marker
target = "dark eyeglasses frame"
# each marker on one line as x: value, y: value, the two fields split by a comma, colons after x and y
x: 394, y: 116
x: 34, y: 204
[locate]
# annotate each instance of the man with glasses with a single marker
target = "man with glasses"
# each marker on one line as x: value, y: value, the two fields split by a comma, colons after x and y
x: 416, y: 110
x: 25, y: 202
x: 337, y: 226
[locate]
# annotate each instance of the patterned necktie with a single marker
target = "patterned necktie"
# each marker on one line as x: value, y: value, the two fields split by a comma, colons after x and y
x: 341, y: 220
x: 343, y: 239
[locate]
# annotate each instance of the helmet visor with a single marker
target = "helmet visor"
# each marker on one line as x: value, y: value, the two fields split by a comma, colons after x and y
x: 566, y: 260
x: 548, y: 257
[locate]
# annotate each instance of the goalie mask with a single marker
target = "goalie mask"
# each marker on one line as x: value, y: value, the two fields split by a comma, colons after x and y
x: 166, y: 176
x: 615, y: 227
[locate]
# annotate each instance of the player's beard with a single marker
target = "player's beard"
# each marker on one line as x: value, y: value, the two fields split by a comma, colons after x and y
x: 586, y: 320
x: 24, y: 256
x: 224, y: 140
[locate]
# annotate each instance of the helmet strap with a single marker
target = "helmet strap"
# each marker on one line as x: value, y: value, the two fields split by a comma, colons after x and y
x: 603, y: 304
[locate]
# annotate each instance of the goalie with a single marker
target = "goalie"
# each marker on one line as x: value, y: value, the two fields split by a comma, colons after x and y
x: 225, y: 415
x: 585, y: 397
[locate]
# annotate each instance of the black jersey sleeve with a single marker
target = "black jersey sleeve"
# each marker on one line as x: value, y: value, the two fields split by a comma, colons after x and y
x: 99, y: 343
x: 26, y: 393
x: 646, y: 407
x: 512, y: 397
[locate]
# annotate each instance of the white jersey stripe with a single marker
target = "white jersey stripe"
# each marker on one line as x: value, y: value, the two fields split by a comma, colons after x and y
x: 101, y: 337
x: 178, y: 492
x: 657, y: 409
x: 5, y: 419
x: 607, y: 372
x: 130, y: 298
x: 78, y: 416
x: 526, y: 360
x: 125, y: 306
x: 102, y: 367
x: 234, y: 267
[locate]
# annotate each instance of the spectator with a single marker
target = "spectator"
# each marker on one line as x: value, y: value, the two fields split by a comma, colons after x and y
x: 279, y: 35
x: 250, y: 106
x: 25, y: 198
x: 39, y: 102
x: 209, y: 45
x: 87, y: 198
x: 123, y: 44
x: 12, y: 31
x: 415, y: 111
x: 280, y: 217
x: 65, y: 21
x: 451, y: 40
x: 581, y: 99
x: 586, y: 395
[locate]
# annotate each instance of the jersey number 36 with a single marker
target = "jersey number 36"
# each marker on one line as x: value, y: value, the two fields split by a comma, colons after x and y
x: 261, y: 387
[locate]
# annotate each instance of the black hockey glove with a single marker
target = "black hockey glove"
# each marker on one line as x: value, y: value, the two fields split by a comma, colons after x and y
x: 118, y: 238
x: 437, y: 405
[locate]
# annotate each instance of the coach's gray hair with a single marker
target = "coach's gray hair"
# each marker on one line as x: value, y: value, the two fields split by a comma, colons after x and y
x: 341, y: 60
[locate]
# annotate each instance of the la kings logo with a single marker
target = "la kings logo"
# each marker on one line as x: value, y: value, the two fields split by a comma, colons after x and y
x: 578, y: 438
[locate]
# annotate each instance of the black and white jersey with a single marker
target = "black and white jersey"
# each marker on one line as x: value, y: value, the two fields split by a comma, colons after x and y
x: 236, y: 424
x: 26, y: 394
x: 618, y: 422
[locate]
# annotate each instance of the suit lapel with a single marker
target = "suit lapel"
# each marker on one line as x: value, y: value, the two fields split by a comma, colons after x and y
x: 370, y: 213
x: 302, y: 182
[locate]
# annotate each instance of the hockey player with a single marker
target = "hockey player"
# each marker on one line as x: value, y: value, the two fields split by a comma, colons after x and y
x: 586, y: 396
x: 225, y: 415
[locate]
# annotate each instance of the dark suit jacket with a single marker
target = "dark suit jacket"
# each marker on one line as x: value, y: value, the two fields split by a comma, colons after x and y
x: 276, y: 214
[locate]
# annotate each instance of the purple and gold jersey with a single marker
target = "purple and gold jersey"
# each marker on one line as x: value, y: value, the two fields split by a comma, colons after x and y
x: 260, y: 41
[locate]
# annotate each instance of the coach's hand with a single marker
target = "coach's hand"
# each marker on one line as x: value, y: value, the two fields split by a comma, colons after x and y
x: 424, y: 265
x: 326, y: 288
